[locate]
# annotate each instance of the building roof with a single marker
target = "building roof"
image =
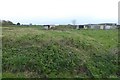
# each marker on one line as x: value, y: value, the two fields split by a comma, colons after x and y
x: 107, y: 24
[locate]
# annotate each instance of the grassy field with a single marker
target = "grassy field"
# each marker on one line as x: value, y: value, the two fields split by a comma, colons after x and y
x: 31, y: 52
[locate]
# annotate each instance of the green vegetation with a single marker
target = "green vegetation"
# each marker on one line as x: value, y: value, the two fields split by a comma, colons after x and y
x: 6, y: 23
x: 32, y: 52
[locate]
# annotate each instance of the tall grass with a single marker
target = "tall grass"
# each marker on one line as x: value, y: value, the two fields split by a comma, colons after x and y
x: 33, y: 52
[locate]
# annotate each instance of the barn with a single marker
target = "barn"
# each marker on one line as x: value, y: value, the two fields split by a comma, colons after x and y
x: 48, y: 26
x: 104, y: 26
x: 107, y: 26
x: 79, y: 26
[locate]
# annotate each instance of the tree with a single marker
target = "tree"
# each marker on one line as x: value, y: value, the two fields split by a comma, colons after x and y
x: 30, y: 24
x: 10, y: 23
x: 74, y: 22
x: 6, y: 23
x: 18, y: 23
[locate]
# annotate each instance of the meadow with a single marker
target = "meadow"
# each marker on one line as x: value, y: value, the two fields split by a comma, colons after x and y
x: 32, y: 52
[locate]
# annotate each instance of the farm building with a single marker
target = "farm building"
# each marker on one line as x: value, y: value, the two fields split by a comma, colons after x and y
x: 79, y: 26
x: 93, y: 26
x: 108, y: 26
x: 48, y: 26
x: 104, y: 26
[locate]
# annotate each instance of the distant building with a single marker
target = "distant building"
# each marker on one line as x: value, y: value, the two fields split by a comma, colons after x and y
x: 101, y: 26
x: 48, y: 26
x: 79, y: 26
x: 108, y: 25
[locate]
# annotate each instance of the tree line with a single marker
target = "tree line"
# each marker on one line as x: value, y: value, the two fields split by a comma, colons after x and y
x: 7, y: 23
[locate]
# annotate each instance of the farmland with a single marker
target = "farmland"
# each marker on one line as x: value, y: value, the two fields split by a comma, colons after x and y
x: 32, y: 52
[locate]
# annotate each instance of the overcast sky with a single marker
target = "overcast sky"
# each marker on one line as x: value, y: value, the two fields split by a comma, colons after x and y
x: 59, y: 11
